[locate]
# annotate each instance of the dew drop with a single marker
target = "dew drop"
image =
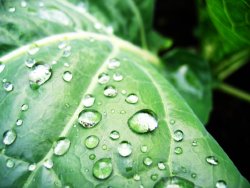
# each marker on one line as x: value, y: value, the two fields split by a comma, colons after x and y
x: 33, y: 50
x: 97, y: 26
x: 172, y: 122
x: 194, y: 143
x: 30, y: 62
x: 2, y: 66
x: 48, y: 163
x: 89, y: 118
x: 23, y: 4
x: 41, y: 4
x: 102, y: 168
x: 67, y: 76
x: 10, y: 163
x: 174, y: 182
x: 9, y: 137
x: 161, y: 166
x: 154, y: 177
x: 124, y: 92
x: 113, y: 63
x: 24, y: 107
x: 91, y: 142
x: 114, y: 135
x: 221, y: 184
x: 8, y: 86
x: 178, y: 150
x: 19, y: 122
x: 178, y: 136
x: 67, y: 51
x: 125, y: 149
x: 104, y: 147
x: 194, y: 175
x: 32, y: 167
x: 132, y: 98
x: 66, y: 65
x: 62, y: 45
x: 103, y: 78
x: 62, y: 146
x: 39, y: 75
x: 92, y: 156
x: 144, y: 148
x: 136, y: 177
x: 88, y: 100
x: 12, y: 9
x: 117, y: 77
x: 110, y: 91
x: 147, y: 161
x: 143, y: 121
x: 212, y: 160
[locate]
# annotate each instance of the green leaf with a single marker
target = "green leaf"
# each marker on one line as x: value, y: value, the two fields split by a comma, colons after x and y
x: 153, y: 140
x: 190, y: 75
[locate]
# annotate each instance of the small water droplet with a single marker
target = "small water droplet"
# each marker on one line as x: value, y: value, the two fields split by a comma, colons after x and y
x: 114, y: 135
x: 143, y: 121
x: 125, y: 149
x: 144, y: 148
x: 12, y: 9
x: 114, y: 63
x: 117, y: 77
x: 102, y: 168
x: 66, y: 51
x: 8, y: 86
x: 41, y: 4
x: 104, y: 147
x: 62, y: 45
x: 91, y: 142
x: 221, y: 184
x: 10, y: 163
x: 113, y: 111
x: 67, y: 76
x: 89, y: 118
x: 172, y: 121
x: 132, y: 98
x: 124, y: 92
x: 194, y: 143
x: 97, y: 26
x: 103, y: 78
x: 54, y: 62
x: 48, y: 163
x: 40, y: 74
x: 19, y: 122
x: 2, y: 66
x: 23, y: 4
x: 136, y: 177
x: 122, y: 112
x: 92, y: 156
x: 161, y: 166
x: 194, y: 175
x: 4, y: 80
x: 33, y: 50
x: 30, y: 62
x: 66, y: 65
x: 110, y: 91
x: 147, y: 161
x: 88, y: 100
x: 24, y: 107
x: 32, y: 167
x: 212, y: 160
x: 9, y: 137
x: 174, y: 182
x: 178, y: 150
x: 154, y: 177
x: 62, y: 146
x: 178, y: 136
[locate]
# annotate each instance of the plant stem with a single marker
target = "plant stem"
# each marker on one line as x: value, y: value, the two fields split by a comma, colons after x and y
x: 234, y: 91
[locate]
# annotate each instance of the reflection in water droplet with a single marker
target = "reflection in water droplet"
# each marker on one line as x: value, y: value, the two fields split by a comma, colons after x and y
x: 178, y: 136
x: 67, y: 76
x: 33, y: 50
x: 144, y: 148
x: 30, y: 62
x: 9, y: 137
x: 62, y: 146
x: 91, y: 142
x: 2, y: 66
x: 178, y: 150
x: 117, y: 77
x: 154, y: 177
x: 12, y: 9
x: 174, y: 182
x: 113, y: 63
x: 102, y: 168
x: 32, y: 167
x: 114, y: 135
x: 143, y: 121
x: 125, y: 149
x: 110, y: 91
x: 212, y: 160
x: 10, y: 163
x: 24, y: 107
x: 92, y: 156
x: 19, y: 122
x: 48, y: 163
x: 147, y: 161
x: 136, y: 177
x: 103, y: 78
x: 39, y: 75
x: 88, y: 100
x: 89, y: 118
x: 132, y: 98
x: 8, y: 86
x: 161, y: 166
x: 221, y: 184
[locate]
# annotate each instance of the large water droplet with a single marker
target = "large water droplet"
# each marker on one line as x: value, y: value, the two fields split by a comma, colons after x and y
x: 10, y: 163
x: 39, y: 75
x: 88, y: 100
x: 125, y: 149
x: 147, y: 161
x: 178, y: 150
x: 8, y: 86
x: 102, y: 168
x: 174, y: 182
x: 221, y: 184
x: 161, y: 166
x: 89, y: 118
x: 62, y: 146
x: 48, y: 163
x: 91, y: 142
x: 32, y: 167
x: 212, y: 160
x: 136, y: 177
x: 143, y: 121
x: 103, y: 78
x: 114, y: 135
x: 24, y: 107
x: 33, y: 50
x: 113, y: 63
x: 9, y: 137
x: 19, y: 122
x: 2, y: 66
x: 67, y: 76
x: 117, y: 77
x: 110, y: 91
x: 178, y: 136
x: 30, y: 62
x: 132, y: 98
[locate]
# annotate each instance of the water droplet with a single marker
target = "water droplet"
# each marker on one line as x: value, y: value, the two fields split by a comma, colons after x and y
x: 23, y: 4
x: 174, y: 182
x: 194, y: 175
x: 41, y: 4
x: 147, y: 161
x: 122, y: 112
x: 24, y: 107
x: 178, y: 150
x: 125, y: 149
x: 178, y: 136
x: 12, y: 9
x: 132, y: 98
x: 9, y: 137
x: 4, y: 80
x: 62, y: 146
x: 2, y: 66
x: 8, y: 86
x: 104, y: 147
x: 114, y: 135
x: 124, y: 92
x: 221, y: 184
x: 103, y: 78
x: 144, y: 148
x: 30, y: 62
x: 88, y: 100
x: 48, y: 163
x: 33, y: 50
x: 32, y: 167
x: 19, y: 122
x: 92, y: 156
x: 110, y: 91
x: 67, y: 76
x: 172, y: 122
x: 102, y: 168
x: 98, y: 26
x: 212, y: 160
x: 113, y: 63
x: 67, y: 51
x: 136, y: 177
x: 91, y: 142
x: 113, y: 111
x: 39, y: 75
x: 154, y: 177
x: 117, y: 77
x: 10, y: 163
x: 161, y: 166
x: 143, y: 121
x: 62, y: 45
x: 54, y: 62
x: 194, y: 143
x: 89, y: 118
x: 66, y: 65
